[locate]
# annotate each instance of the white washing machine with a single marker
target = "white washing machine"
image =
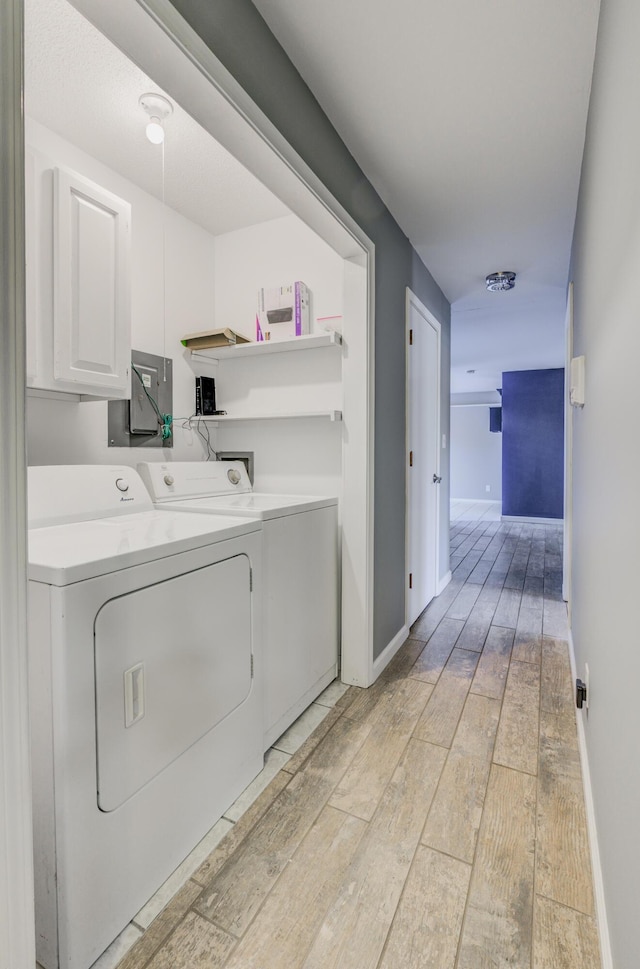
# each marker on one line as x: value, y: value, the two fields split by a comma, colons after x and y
x: 146, y: 700
x: 300, y: 575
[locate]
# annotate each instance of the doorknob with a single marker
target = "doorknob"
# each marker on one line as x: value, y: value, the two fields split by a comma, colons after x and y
x: 436, y: 479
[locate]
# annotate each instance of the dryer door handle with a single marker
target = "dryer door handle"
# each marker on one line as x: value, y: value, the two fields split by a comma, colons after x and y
x: 133, y: 694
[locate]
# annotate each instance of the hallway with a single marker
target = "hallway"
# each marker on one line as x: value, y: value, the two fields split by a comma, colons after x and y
x: 435, y: 820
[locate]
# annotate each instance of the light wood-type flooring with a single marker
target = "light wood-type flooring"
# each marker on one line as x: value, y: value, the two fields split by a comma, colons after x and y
x: 435, y: 820
x: 474, y: 509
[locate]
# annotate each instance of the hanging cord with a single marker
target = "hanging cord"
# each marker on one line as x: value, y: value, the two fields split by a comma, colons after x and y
x: 164, y: 265
x: 164, y: 420
x: 188, y: 422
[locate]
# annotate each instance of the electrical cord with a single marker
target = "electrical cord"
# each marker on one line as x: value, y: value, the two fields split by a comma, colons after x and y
x: 166, y: 420
x: 188, y: 422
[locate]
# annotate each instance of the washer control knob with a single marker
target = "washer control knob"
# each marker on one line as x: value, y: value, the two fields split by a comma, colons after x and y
x: 234, y: 476
x: 169, y: 479
x: 122, y: 484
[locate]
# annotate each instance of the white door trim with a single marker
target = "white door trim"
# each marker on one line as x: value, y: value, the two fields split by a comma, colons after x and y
x: 357, y: 665
x: 568, y: 457
x: 156, y: 37
x: 413, y: 301
x: 17, y: 941
x: 604, y: 937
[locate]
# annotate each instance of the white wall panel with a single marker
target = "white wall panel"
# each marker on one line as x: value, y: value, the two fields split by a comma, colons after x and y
x: 476, y: 455
x: 302, y: 457
x: 606, y: 467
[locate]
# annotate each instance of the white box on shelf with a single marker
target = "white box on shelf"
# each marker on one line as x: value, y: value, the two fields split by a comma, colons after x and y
x: 283, y: 312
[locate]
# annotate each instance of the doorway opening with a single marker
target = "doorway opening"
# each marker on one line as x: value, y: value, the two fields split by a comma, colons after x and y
x: 156, y: 41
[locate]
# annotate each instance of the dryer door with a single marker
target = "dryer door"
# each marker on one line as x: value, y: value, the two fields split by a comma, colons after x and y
x: 171, y: 661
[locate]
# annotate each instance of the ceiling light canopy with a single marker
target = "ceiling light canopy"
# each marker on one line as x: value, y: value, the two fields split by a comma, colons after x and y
x: 501, y: 281
x: 157, y: 108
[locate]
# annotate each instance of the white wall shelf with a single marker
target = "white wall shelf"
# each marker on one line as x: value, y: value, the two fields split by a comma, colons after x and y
x: 327, y: 415
x: 240, y: 350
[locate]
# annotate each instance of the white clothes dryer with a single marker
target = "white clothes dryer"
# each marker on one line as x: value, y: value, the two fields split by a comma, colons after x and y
x: 146, y: 700
x: 300, y: 575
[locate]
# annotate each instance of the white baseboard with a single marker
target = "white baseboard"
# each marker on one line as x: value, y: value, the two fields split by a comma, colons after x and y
x: 532, y: 521
x: 596, y: 867
x: 443, y: 583
x: 390, y: 650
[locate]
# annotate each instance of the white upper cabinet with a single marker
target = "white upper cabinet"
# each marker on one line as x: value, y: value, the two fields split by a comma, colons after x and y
x: 91, y: 287
x: 78, y: 284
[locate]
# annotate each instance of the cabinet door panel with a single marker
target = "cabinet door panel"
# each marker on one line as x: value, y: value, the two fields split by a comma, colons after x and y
x: 91, y: 285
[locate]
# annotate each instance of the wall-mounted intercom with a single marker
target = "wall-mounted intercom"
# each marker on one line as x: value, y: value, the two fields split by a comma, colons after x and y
x: 576, y: 385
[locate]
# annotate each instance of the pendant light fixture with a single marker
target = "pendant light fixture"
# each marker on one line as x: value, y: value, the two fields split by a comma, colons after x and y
x: 157, y: 108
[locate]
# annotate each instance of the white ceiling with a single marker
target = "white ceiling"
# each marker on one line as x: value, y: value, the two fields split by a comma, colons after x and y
x: 81, y: 86
x: 468, y: 117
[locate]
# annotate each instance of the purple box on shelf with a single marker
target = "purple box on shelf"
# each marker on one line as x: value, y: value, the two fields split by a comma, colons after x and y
x: 283, y: 312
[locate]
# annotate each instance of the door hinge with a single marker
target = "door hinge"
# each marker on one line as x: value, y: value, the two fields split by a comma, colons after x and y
x: 410, y: 338
x: 411, y: 580
x: 252, y: 666
x: 410, y: 459
x: 251, y: 590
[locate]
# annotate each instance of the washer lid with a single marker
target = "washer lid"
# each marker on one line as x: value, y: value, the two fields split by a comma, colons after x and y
x: 254, y: 504
x: 72, y: 552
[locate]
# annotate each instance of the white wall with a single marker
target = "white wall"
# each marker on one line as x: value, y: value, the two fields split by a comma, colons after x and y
x: 61, y: 432
x: 606, y: 470
x: 476, y: 455
x: 209, y: 282
x: 272, y: 254
x: 292, y: 456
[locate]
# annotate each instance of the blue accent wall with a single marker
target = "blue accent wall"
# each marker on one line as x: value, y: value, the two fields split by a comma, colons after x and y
x: 533, y: 443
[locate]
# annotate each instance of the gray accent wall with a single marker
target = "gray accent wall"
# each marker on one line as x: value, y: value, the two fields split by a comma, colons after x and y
x: 606, y: 463
x: 239, y: 37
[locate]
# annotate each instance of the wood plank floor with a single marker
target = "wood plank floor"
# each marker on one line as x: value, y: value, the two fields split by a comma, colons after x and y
x: 474, y: 509
x: 434, y: 821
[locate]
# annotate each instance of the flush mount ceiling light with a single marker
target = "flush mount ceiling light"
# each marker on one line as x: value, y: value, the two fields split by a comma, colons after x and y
x: 500, y: 282
x: 157, y: 108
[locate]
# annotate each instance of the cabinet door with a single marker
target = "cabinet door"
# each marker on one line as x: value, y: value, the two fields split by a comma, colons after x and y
x: 92, y: 302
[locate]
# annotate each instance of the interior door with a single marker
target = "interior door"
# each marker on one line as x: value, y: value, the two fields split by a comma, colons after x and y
x: 423, y: 456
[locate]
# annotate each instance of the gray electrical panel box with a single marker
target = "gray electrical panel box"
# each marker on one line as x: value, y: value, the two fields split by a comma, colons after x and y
x: 136, y: 422
x: 143, y: 418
